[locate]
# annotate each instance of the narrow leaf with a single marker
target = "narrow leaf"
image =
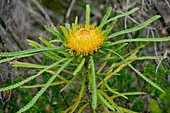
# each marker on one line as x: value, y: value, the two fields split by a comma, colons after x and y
x: 50, y: 55
x: 122, y: 15
x: 27, y: 65
x: 68, y: 26
x: 79, y: 67
x: 105, y: 101
x: 140, y: 26
x: 113, y: 91
x: 47, y: 43
x: 124, y: 110
x: 68, y: 83
x: 94, y: 88
x: 31, y: 51
x: 128, y: 93
x: 106, y: 16
x: 140, y: 74
x: 15, y: 57
x: 55, y: 32
x: 83, y: 107
x: 103, y: 65
x: 76, y: 21
x: 64, y: 30
x: 80, y: 95
x: 87, y: 14
x: 34, y: 43
x: 41, y: 85
x: 163, y: 39
x: 30, y: 78
x: 109, y: 27
x: 35, y: 98
x: 146, y: 79
x: 110, y: 100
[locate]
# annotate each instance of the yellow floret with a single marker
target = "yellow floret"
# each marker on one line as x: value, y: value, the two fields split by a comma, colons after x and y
x: 84, y: 40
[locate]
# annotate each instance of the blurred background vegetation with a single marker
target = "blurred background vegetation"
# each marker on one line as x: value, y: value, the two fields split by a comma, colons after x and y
x: 24, y: 19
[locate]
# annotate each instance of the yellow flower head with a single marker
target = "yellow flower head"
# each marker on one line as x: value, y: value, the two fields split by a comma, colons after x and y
x: 84, y: 39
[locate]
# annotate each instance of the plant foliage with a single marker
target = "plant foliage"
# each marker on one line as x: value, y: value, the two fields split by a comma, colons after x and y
x: 88, y: 76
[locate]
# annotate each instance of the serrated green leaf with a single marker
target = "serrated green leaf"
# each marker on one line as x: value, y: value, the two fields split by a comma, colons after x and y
x: 80, y: 95
x: 35, y: 98
x: 64, y: 30
x: 41, y: 85
x: 27, y: 65
x: 30, y: 78
x: 163, y: 39
x: 140, y: 26
x: 129, y: 93
x: 122, y: 15
x: 110, y: 101
x: 47, y: 43
x: 31, y: 51
x: 87, y: 14
x: 109, y: 28
x: 79, y: 67
x: 140, y: 74
x: 106, y: 16
x: 15, y: 57
x: 94, y: 88
x: 55, y: 32
x: 113, y: 91
x: 105, y: 101
x: 50, y: 55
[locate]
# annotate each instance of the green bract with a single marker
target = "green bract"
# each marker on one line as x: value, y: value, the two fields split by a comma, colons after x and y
x: 93, y: 70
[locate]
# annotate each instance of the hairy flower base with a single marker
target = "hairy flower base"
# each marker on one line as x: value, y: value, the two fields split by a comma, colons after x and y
x: 84, y: 40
